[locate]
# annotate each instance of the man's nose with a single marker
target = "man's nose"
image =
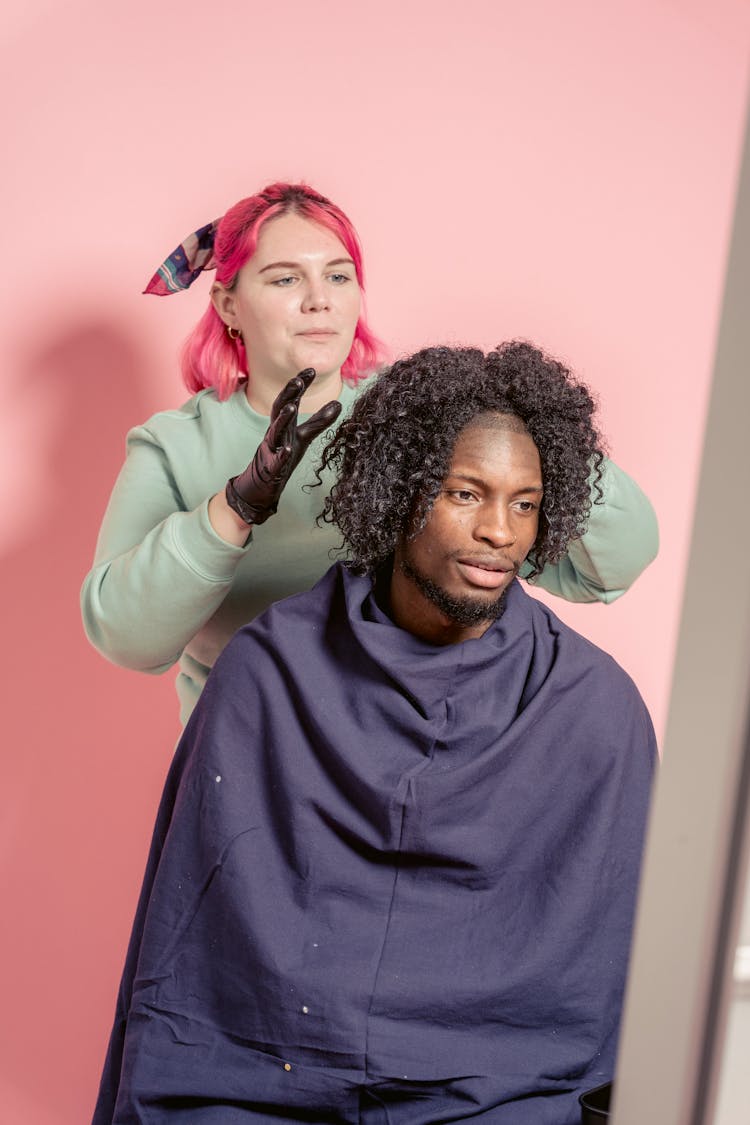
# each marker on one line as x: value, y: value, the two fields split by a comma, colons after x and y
x: 494, y: 525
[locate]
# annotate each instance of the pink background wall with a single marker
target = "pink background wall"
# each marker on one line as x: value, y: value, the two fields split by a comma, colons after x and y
x: 560, y: 172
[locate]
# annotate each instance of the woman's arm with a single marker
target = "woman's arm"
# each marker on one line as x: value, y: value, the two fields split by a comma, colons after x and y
x: 621, y: 539
x: 160, y: 572
x: 163, y: 566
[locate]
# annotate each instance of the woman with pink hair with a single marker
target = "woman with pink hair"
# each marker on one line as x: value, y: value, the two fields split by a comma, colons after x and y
x: 185, y: 555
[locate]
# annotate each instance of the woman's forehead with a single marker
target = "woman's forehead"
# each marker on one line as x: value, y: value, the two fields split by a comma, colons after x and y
x: 290, y: 236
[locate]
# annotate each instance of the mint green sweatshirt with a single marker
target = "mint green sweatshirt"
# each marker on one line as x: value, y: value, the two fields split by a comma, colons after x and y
x: 165, y: 588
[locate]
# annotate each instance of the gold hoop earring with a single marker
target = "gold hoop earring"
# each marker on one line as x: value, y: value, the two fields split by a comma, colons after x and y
x: 234, y: 333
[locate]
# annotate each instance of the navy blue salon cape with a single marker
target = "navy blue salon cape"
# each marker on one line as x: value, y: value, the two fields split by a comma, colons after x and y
x: 390, y: 882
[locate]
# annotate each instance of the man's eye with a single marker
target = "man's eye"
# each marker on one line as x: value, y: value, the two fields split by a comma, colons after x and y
x: 462, y: 495
x: 526, y: 506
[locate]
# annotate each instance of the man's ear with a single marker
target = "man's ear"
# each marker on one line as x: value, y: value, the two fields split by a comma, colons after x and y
x: 225, y: 303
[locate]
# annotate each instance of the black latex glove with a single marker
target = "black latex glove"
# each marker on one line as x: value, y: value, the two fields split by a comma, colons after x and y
x: 254, y: 494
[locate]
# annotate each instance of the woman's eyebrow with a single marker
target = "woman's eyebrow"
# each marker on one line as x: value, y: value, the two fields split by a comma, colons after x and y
x: 297, y: 265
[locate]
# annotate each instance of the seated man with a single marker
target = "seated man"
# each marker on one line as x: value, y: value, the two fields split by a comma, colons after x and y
x: 395, y: 866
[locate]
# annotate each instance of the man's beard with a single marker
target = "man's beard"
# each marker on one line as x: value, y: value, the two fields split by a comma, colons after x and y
x: 462, y: 611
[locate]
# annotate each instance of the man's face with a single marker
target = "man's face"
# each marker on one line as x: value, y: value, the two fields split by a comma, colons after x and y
x: 449, y: 580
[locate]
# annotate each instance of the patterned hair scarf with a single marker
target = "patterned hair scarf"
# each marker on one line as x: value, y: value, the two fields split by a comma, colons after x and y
x: 185, y: 263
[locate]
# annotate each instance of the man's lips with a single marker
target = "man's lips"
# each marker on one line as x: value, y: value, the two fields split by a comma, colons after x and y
x: 487, y: 573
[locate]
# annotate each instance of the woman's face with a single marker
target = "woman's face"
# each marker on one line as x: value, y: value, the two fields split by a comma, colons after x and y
x: 296, y: 302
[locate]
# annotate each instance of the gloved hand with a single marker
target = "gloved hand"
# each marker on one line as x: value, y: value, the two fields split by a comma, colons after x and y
x: 254, y: 494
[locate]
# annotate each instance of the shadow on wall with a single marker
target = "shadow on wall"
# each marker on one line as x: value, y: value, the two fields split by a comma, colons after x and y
x: 86, y: 745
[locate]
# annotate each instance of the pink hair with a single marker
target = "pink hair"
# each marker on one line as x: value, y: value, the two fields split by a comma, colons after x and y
x: 209, y: 357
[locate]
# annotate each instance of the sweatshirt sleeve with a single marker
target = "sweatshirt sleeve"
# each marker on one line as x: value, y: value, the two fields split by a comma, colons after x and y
x: 621, y: 539
x: 160, y: 571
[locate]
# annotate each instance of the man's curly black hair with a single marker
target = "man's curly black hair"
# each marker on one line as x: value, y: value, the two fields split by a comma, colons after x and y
x: 393, y: 452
